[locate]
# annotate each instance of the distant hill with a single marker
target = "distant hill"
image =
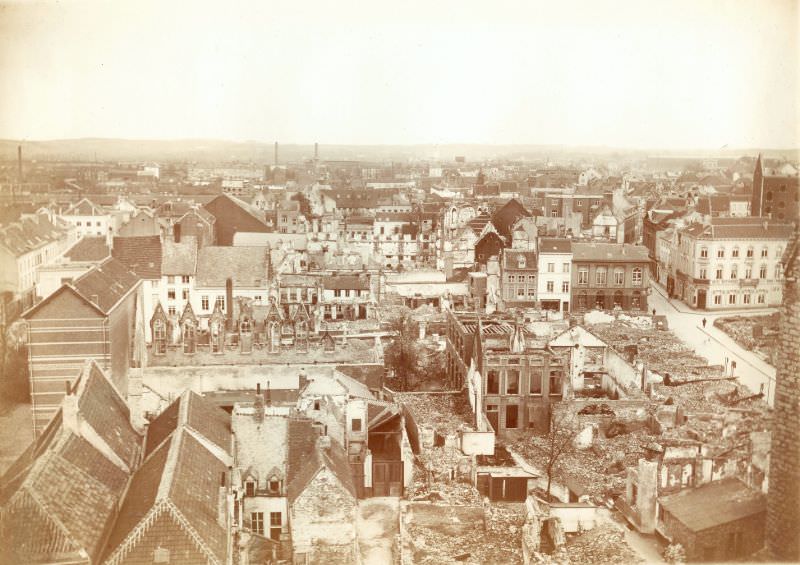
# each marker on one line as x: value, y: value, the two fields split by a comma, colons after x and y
x: 208, y: 150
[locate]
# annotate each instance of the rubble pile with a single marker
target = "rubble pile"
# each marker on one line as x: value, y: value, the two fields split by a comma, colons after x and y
x: 446, y: 413
x: 660, y: 350
x: 599, y: 470
x: 753, y: 333
x: 603, y: 545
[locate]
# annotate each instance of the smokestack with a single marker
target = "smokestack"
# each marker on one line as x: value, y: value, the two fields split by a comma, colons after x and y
x: 19, y: 162
x: 316, y: 151
x: 276, y: 153
x: 176, y: 233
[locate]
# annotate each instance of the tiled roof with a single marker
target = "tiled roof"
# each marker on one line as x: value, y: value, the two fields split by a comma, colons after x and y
x: 88, y: 249
x: 209, y: 420
x: 247, y: 266
x: 105, y: 410
x: 302, y: 445
x: 479, y: 222
x: 555, y: 245
x: 179, y: 258
x: 713, y: 504
x: 29, y: 234
x: 141, y: 254
x: 162, y: 427
x: 181, y: 476
x: 61, y: 496
x: 345, y: 282
x: 107, y: 282
x: 624, y: 252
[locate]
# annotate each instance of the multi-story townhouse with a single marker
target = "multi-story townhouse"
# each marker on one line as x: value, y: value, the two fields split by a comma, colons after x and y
x: 609, y: 275
x: 27, y: 245
x: 731, y: 263
x: 776, y: 193
x: 92, y: 220
x: 513, y: 375
x: 90, y: 318
x: 518, y: 271
x: 555, y: 273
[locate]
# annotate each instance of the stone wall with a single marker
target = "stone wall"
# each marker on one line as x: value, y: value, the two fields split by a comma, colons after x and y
x: 323, y: 521
x: 783, y: 499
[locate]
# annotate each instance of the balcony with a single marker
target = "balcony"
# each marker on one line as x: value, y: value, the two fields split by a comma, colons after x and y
x: 748, y: 283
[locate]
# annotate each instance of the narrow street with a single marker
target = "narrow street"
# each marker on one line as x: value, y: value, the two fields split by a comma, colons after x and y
x: 714, y: 344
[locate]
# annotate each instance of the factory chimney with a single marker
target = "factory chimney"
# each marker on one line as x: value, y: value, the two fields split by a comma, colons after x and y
x: 276, y: 153
x: 316, y: 151
x: 19, y: 163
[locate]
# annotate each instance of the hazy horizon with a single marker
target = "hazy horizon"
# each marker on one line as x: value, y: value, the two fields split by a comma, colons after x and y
x: 633, y: 75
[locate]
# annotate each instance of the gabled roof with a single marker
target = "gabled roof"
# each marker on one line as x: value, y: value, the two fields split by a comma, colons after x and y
x: 479, y: 222
x: 577, y: 335
x: 141, y: 254
x: 60, y: 497
x: 102, y: 287
x: 247, y: 266
x: 88, y: 249
x: 507, y: 215
x: 85, y: 207
x: 307, y: 459
x: 511, y: 259
x: 713, y: 504
x: 246, y: 207
x: 29, y: 234
x: 181, y: 479
x: 179, y: 258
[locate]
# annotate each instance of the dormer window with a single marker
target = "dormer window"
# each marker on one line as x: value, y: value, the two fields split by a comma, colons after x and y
x: 274, y: 485
x: 521, y: 262
x: 250, y: 488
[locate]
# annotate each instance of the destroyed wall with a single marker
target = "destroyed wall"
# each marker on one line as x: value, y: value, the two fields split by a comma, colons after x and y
x: 783, y: 506
x: 623, y: 380
x: 323, y: 519
x: 714, y: 544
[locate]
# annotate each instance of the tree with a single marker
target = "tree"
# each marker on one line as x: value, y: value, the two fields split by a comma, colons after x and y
x: 14, y: 384
x: 402, y: 354
x: 558, y: 441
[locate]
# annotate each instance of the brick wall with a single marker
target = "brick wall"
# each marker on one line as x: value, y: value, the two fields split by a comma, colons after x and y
x: 783, y: 498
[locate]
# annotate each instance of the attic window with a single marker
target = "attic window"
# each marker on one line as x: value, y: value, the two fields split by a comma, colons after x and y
x: 161, y: 555
x: 316, y: 405
x: 274, y: 484
x: 521, y: 262
x: 250, y: 488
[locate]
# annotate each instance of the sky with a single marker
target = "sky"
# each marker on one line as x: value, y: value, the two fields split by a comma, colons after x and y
x: 665, y: 74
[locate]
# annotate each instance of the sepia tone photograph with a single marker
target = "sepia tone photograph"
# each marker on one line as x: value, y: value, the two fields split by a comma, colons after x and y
x: 399, y: 283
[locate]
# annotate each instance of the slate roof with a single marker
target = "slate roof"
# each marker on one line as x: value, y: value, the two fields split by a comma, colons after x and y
x: 179, y: 258
x: 345, y: 282
x: 89, y: 249
x: 60, y: 497
x: 248, y: 266
x: 614, y: 252
x: 714, y: 504
x: 30, y: 234
x: 555, y: 245
x: 109, y: 281
x: 141, y: 254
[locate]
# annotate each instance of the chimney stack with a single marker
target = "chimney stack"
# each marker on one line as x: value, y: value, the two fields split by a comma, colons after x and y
x: 176, y: 233
x: 19, y: 162
x: 276, y: 153
x: 316, y: 151
x: 222, y: 502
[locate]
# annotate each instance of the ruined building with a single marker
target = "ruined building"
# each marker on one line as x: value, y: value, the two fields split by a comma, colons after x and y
x: 783, y: 506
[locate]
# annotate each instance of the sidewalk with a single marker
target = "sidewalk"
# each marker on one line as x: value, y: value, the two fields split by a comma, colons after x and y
x: 683, y: 308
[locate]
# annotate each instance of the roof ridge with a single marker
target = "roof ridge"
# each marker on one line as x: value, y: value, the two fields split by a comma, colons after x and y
x: 168, y: 473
